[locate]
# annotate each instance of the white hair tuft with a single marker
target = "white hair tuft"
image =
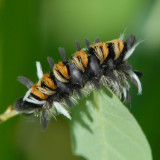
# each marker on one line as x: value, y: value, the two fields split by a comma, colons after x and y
x: 131, y: 50
x: 61, y: 110
x: 39, y: 70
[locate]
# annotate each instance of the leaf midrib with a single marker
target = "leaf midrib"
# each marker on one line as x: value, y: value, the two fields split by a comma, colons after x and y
x: 101, y: 130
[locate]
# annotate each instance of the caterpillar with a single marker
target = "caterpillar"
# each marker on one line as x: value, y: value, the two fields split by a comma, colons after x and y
x: 100, y: 63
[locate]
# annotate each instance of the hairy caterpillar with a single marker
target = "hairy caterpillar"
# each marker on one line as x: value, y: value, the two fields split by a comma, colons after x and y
x: 99, y: 63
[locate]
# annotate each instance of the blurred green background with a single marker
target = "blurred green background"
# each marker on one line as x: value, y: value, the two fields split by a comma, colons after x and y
x: 31, y: 30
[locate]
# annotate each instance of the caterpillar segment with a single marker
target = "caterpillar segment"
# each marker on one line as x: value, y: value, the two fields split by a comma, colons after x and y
x: 61, y: 72
x: 99, y: 63
x: 100, y: 50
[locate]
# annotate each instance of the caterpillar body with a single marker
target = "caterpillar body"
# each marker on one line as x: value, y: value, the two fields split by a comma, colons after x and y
x: 99, y: 63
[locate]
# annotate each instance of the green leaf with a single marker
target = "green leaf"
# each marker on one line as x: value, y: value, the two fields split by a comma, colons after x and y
x: 104, y: 129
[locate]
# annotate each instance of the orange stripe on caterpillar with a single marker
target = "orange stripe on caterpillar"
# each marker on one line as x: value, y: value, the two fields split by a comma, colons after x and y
x: 38, y: 93
x: 61, y: 72
x: 80, y: 59
x: 46, y: 79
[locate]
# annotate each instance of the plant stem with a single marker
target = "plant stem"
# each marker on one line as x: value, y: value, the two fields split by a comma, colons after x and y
x: 9, y: 113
